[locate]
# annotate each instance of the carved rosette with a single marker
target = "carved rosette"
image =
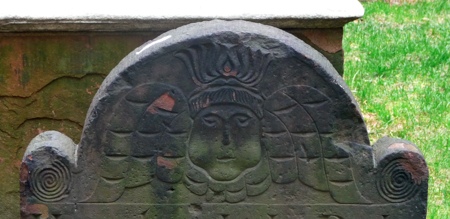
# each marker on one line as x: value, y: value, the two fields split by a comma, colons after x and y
x: 402, y: 172
x: 50, y: 182
x: 396, y: 184
x: 46, y: 168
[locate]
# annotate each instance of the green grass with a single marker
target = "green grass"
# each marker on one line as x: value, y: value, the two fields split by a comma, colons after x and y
x: 397, y: 64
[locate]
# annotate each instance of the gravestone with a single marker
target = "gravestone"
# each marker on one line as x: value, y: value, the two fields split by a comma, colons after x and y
x: 223, y: 119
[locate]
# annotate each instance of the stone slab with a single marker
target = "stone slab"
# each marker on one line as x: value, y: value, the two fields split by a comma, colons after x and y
x: 48, y: 15
x: 40, y: 90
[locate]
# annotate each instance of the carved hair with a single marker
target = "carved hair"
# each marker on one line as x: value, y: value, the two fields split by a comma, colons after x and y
x: 226, y: 95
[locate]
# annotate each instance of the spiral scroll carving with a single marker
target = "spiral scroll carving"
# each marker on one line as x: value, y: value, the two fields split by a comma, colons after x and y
x: 51, y: 182
x: 395, y: 183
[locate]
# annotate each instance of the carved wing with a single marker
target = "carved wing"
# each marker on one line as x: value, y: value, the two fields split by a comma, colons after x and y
x: 145, y: 138
x: 298, y: 138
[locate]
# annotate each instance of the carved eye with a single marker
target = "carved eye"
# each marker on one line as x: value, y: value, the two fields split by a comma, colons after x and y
x: 211, y: 120
x: 242, y: 120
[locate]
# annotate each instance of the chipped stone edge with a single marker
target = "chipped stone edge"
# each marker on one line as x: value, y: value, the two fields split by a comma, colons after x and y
x: 59, y: 142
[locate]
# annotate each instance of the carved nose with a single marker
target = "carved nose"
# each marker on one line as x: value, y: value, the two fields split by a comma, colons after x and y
x: 226, y: 151
x: 226, y: 135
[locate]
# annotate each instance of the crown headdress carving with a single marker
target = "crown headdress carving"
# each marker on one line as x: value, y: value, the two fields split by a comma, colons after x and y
x: 212, y: 63
x: 225, y: 74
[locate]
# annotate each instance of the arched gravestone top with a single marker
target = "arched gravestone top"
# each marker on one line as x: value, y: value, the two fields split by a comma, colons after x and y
x: 224, y: 118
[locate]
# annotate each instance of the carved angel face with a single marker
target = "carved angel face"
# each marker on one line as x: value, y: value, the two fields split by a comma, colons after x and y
x: 225, y: 141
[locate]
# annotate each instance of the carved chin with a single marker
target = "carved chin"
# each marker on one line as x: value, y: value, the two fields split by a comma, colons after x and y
x: 224, y: 173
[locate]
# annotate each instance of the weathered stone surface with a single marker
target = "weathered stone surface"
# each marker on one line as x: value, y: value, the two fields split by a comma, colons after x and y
x: 40, y: 89
x: 327, y: 41
x: 224, y: 119
x: 47, y: 82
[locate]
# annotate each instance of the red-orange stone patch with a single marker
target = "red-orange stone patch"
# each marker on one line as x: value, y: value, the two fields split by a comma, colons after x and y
x: 168, y: 164
x: 165, y: 102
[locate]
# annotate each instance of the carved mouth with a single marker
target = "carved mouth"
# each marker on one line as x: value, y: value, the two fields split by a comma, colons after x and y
x: 225, y: 159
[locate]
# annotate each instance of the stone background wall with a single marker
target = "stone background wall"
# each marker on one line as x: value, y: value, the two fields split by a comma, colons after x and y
x: 47, y: 81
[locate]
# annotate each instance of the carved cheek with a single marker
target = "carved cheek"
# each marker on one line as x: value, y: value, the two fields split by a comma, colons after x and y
x: 198, y: 148
x: 204, y: 143
x: 248, y: 141
x: 250, y: 154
